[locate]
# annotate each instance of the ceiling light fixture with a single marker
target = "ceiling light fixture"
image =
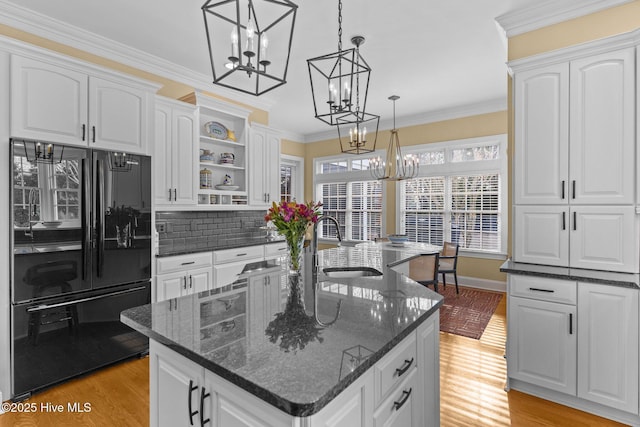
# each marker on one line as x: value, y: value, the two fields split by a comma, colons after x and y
x: 343, y: 79
x: 43, y: 152
x: 396, y: 167
x: 242, y: 56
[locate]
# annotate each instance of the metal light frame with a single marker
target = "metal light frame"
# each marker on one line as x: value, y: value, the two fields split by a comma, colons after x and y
x: 43, y: 152
x: 395, y: 167
x: 247, y: 70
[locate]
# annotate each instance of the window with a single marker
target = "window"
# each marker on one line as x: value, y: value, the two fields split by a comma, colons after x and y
x: 458, y: 195
x: 25, y: 194
x: 291, y: 178
x: 347, y: 192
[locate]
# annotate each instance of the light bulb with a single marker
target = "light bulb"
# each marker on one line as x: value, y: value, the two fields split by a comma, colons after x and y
x: 251, y: 32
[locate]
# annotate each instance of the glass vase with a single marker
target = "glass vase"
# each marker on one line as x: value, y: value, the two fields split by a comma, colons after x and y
x: 295, y: 244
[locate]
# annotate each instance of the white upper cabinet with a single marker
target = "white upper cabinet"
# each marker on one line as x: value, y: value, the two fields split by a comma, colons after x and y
x: 56, y: 101
x: 575, y: 131
x: 264, y: 170
x: 602, y: 128
x: 541, y: 235
x: 542, y: 135
x: 175, y: 153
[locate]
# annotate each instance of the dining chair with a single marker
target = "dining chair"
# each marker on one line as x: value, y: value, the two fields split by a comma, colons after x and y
x: 449, y: 263
x: 424, y: 269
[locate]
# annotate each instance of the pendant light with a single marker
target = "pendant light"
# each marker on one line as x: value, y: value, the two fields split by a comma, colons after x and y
x: 396, y: 167
x: 243, y: 57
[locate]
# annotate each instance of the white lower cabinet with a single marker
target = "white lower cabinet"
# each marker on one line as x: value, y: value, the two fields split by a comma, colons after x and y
x: 608, y: 345
x: 185, y: 394
x: 182, y: 275
x: 576, y: 338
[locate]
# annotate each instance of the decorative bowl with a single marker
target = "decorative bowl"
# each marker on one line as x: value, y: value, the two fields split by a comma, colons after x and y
x: 51, y: 224
x: 397, y: 239
x: 227, y: 187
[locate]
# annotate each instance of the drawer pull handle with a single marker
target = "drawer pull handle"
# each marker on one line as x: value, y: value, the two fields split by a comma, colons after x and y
x: 188, y: 263
x: 570, y: 323
x: 191, y: 412
x: 282, y: 249
x: 203, y: 395
x: 405, y: 396
x: 550, y: 291
x: 244, y: 254
x: 405, y: 368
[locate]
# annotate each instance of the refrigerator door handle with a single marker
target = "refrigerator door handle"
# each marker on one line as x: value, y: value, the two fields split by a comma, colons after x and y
x: 81, y: 300
x: 100, y: 214
x: 86, y: 220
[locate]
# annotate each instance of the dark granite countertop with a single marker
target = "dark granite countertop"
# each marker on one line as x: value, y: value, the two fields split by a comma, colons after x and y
x: 613, y: 278
x: 227, y: 330
x: 221, y: 244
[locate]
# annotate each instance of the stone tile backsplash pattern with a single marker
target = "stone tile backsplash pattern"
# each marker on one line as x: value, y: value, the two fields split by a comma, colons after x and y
x: 207, y: 230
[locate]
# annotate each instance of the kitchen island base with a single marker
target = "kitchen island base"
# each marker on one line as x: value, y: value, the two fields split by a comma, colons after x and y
x: 183, y: 393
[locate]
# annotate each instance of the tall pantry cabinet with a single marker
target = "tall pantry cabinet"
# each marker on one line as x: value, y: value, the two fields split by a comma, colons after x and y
x: 574, y: 166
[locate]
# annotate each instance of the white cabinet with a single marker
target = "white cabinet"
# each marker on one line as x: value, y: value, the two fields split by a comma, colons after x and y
x: 175, y: 153
x: 602, y: 128
x: 62, y: 102
x: 175, y: 387
x: 264, y: 169
x: 428, y: 351
x: 608, y: 345
x: 574, y: 129
x: 577, y: 338
x: 542, y: 333
x: 182, y: 275
x: 230, y: 263
x: 592, y: 237
x: 541, y: 162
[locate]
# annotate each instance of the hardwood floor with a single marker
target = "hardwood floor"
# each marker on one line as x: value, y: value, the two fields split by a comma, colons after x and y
x: 472, y: 392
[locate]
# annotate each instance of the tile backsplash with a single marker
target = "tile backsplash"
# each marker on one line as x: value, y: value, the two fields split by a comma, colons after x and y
x: 206, y: 230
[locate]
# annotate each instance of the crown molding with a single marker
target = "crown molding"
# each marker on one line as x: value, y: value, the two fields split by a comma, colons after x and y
x: 490, y: 106
x: 620, y: 41
x: 41, y: 25
x: 550, y: 12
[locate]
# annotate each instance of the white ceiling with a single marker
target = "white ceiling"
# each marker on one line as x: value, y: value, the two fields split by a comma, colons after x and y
x: 435, y: 54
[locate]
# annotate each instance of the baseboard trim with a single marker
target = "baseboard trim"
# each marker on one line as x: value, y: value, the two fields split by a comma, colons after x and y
x: 1, y: 411
x: 475, y: 282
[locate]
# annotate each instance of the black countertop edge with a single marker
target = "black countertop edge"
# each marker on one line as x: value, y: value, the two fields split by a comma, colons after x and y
x: 228, y: 244
x: 292, y: 408
x: 627, y: 280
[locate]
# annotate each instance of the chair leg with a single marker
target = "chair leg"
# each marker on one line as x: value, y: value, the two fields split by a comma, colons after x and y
x: 455, y: 277
x: 435, y: 286
x: 444, y: 280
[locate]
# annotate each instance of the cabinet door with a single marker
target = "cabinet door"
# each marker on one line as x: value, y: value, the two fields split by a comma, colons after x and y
x: 541, y: 344
x: 163, y: 157
x: 264, y: 167
x: 170, y: 285
x: 541, y: 235
x: 48, y: 102
x: 608, y: 345
x: 399, y: 410
x: 185, y: 155
x: 175, y: 387
x: 428, y: 403
x: 602, y: 128
x: 542, y: 135
x: 200, y: 280
x: 118, y: 116
x: 604, y: 238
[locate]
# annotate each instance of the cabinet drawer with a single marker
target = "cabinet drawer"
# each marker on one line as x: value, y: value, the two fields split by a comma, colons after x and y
x: 394, y: 368
x: 238, y: 254
x: 274, y: 250
x: 183, y: 262
x: 226, y: 274
x: 544, y: 289
x: 400, y: 408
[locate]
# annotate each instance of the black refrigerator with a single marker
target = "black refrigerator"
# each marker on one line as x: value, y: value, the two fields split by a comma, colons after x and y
x: 81, y: 244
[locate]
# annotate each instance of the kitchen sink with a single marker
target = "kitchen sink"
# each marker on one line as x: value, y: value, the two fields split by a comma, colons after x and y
x: 349, y: 272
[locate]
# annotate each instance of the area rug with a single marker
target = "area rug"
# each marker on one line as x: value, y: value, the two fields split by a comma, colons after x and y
x: 467, y: 313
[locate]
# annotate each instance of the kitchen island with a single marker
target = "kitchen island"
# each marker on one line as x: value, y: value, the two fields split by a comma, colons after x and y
x: 364, y: 352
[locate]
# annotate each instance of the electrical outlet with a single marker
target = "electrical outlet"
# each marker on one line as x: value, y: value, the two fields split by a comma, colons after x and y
x: 161, y: 227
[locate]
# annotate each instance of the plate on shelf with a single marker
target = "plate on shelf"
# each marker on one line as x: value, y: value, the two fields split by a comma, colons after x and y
x: 227, y: 187
x: 216, y: 130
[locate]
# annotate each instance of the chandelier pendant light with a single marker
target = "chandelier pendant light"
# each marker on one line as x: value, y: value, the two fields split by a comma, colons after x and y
x: 395, y: 167
x: 243, y: 57
x: 42, y: 152
x: 339, y: 88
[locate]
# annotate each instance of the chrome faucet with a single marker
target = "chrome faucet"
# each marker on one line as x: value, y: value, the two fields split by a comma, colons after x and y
x: 314, y: 240
x: 32, y: 211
